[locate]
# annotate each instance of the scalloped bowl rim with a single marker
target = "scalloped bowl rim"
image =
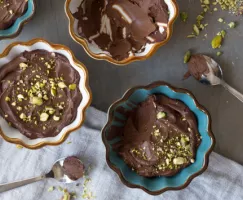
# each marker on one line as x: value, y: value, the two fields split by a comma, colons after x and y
x: 17, y: 26
x: 11, y: 134
x: 102, y: 55
x: 183, y: 178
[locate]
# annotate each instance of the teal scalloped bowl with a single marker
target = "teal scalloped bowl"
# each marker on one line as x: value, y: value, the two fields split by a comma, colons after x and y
x: 158, y: 185
x: 16, y: 28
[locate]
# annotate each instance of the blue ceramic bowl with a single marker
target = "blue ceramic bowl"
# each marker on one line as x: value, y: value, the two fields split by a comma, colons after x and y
x: 16, y: 28
x: 158, y: 185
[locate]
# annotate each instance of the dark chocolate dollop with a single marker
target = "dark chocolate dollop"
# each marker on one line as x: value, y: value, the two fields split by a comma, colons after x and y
x: 122, y: 27
x: 73, y: 168
x: 160, y: 137
x: 39, y: 93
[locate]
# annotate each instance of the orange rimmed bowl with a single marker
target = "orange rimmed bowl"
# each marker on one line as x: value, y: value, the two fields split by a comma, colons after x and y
x: 11, y: 134
x: 96, y: 53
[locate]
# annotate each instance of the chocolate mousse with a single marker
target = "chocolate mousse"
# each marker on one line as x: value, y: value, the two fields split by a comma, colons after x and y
x: 10, y: 10
x: 73, y: 168
x: 160, y: 137
x: 122, y: 27
x: 197, y: 66
x: 39, y: 93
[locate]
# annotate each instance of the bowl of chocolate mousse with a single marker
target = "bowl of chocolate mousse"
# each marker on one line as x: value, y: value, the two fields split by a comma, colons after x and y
x: 44, y: 93
x: 13, y: 15
x: 158, y: 138
x: 121, y: 31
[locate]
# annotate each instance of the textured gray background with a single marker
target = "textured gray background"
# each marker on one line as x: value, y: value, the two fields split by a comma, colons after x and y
x: 109, y: 82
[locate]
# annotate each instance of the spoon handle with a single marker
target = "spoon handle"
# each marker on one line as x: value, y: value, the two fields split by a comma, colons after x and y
x: 10, y: 186
x: 233, y: 91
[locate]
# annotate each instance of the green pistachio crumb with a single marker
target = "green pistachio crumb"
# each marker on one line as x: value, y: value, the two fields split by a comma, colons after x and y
x: 187, y: 57
x: 232, y: 25
x: 183, y: 16
x: 72, y: 86
x: 191, y: 36
x: 216, y: 42
x: 56, y: 118
x: 61, y: 85
x: 220, y: 20
x: 7, y: 99
x: 44, y: 117
x: 18, y: 146
x: 53, y: 92
x: 22, y: 116
x: 13, y: 104
x: 196, y: 29
x: 179, y: 161
x: 50, y: 189
x: 161, y: 115
x: 36, y: 101
x: 219, y: 53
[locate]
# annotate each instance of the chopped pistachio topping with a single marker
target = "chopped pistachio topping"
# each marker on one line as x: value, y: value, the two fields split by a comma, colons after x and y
x: 61, y: 85
x: 23, y: 66
x: 44, y: 117
x: 187, y: 57
x: 7, y: 99
x: 216, y: 42
x: 179, y: 161
x: 220, y: 20
x: 161, y: 115
x: 184, y: 16
x: 72, y: 86
x: 50, y: 189
x: 53, y: 92
x: 219, y: 53
x: 232, y: 25
x: 36, y: 101
x: 56, y: 118
x: 22, y: 116
x: 18, y: 146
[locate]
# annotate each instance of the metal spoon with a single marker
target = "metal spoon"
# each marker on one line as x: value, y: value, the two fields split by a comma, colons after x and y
x: 215, y: 77
x: 56, y: 172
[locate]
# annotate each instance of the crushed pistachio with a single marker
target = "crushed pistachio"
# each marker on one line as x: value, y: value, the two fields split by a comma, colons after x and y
x: 72, y: 86
x: 161, y: 115
x: 56, y: 118
x: 61, y: 85
x: 53, y: 92
x: 187, y: 56
x: 18, y: 146
x: 184, y: 16
x: 36, y: 101
x: 22, y: 116
x: 44, y: 117
x: 219, y: 53
x: 7, y: 99
x: 220, y: 20
x: 232, y: 24
x: 50, y: 189
x: 196, y: 29
x: 216, y: 42
x: 179, y: 161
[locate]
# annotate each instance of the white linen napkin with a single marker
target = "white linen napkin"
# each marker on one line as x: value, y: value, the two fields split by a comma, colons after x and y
x: 223, y: 180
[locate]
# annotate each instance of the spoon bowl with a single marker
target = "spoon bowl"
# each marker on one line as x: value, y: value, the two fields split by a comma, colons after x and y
x: 215, y: 77
x: 57, y: 172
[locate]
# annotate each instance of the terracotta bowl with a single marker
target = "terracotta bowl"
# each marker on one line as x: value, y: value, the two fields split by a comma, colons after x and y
x: 16, y: 28
x: 158, y: 185
x: 96, y: 53
x: 11, y: 134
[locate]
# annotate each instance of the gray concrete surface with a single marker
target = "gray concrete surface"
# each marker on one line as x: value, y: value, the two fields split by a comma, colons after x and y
x: 109, y: 82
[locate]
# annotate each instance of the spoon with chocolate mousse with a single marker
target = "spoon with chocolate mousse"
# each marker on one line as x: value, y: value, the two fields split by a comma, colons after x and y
x: 207, y: 71
x: 65, y: 170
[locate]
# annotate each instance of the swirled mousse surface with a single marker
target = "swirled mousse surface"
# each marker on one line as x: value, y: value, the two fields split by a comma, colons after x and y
x: 160, y: 137
x: 122, y: 27
x: 10, y: 10
x: 39, y: 93
x: 73, y: 168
